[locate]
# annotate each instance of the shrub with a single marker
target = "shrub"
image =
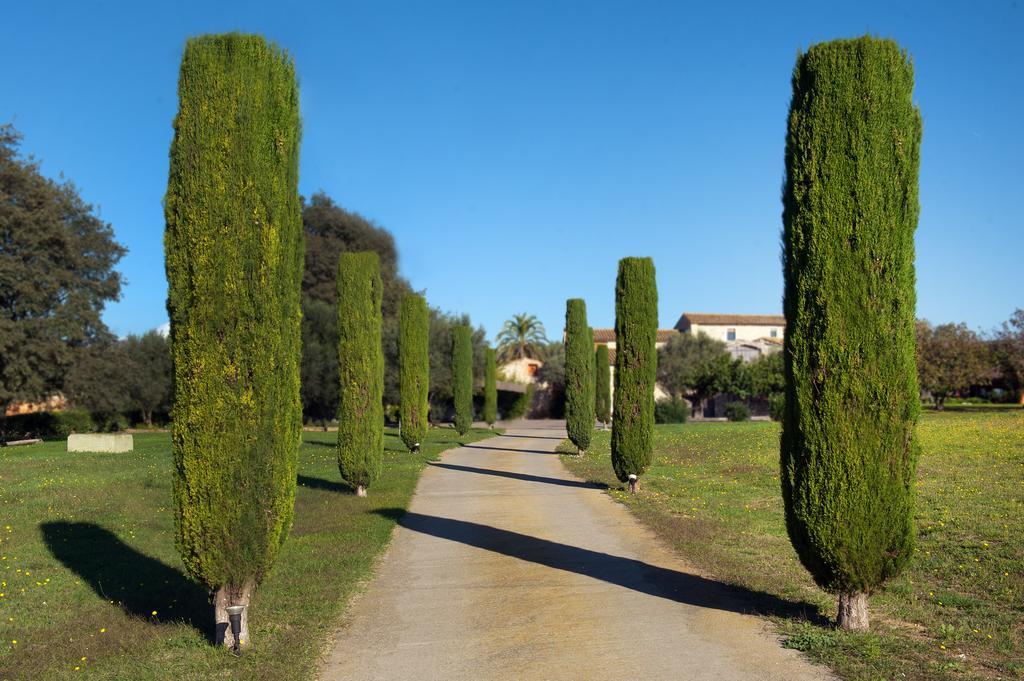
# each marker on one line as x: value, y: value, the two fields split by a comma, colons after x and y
x: 671, y: 410
x: 579, y: 375
x: 737, y: 411
x: 462, y: 377
x: 360, y: 369
x: 636, y: 328
x: 521, y: 405
x: 491, y: 388
x: 110, y: 422
x: 602, y: 385
x: 776, y: 406
x: 233, y: 245
x: 47, y: 424
x: 414, y: 369
x: 850, y: 212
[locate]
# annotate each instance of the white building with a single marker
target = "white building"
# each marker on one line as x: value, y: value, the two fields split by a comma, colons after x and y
x: 607, y: 337
x: 733, y: 327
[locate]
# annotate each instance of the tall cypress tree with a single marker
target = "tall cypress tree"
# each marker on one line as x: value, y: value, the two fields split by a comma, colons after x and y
x: 602, y: 385
x: 414, y: 369
x: 491, y: 388
x: 462, y: 377
x: 233, y: 245
x: 636, y: 364
x: 361, y: 369
x: 848, y: 452
x: 579, y: 375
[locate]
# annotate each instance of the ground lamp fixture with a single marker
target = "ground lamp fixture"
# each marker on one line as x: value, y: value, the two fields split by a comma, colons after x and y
x: 235, y: 617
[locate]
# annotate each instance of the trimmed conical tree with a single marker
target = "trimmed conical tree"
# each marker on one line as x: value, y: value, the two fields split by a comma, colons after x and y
x: 579, y: 375
x: 850, y: 211
x: 636, y: 363
x: 491, y: 388
x: 602, y: 385
x: 234, y: 254
x: 361, y: 370
x: 462, y: 377
x: 414, y: 369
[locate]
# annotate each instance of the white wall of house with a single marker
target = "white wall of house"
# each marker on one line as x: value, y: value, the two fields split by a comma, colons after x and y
x: 522, y: 370
x: 742, y: 333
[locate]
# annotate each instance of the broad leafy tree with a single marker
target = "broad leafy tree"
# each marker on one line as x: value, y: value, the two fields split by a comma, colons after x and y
x: 331, y: 230
x: 57, y: 263
x: 850, y: 209
x: 695, y: 366
x: 234, y: 253
x: 1009, y: 352
x: 951, y: 358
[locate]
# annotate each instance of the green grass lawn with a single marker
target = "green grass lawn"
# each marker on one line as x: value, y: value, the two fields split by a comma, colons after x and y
x: 91, y: 584
x: 958, y: 611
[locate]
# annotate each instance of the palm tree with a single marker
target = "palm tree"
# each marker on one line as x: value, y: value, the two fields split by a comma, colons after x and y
x: 520, y: 337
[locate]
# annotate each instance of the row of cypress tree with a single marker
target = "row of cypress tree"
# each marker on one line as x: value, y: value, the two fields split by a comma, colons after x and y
x: 233, y: 243
x: 234, y: 262
x: 848, y: 446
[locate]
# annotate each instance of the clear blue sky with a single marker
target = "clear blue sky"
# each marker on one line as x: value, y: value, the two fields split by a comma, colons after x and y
x: 517, y: 150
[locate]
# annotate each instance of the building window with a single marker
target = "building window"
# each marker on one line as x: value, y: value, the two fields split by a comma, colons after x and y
x: 730, y: 334
x: 775, y: 333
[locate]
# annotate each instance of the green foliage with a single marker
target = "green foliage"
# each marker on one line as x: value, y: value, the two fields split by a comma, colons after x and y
x: 951, y: 358
x: 520, y: 337
x: 737, y: 411
x: 579, y: 374
x: 360, y: 369
x: 56, y: 274
x: 777, y: 406
x: 636, y: 359
x: 491, y: 388
x: 414, y: 359
x: 520, y: 406
x: 671, y: 410
x: 767, y: 376
x: 319, y: 360
x: 330, y: 231
x: 442, y: 339
x: 148, y: 374
x: 602, y: 385
x: 462, y: 377
x: 233, y: 245
x: 47, y: 424
x: 848, y: 453
x: 695, y: 366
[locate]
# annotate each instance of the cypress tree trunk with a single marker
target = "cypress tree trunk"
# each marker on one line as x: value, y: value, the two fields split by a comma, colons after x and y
x: 848, y: 452
x: 636, y: 358
x: 414, y: 369
x: 602, y: 385
x: 579, y: 375
x: 361, y: 370
x: 462, y: 377
x: 234, y: 255
x: 491, y: 388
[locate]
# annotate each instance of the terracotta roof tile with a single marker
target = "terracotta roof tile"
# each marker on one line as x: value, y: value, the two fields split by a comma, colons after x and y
x: 608, y: 335
x: 736, y: 319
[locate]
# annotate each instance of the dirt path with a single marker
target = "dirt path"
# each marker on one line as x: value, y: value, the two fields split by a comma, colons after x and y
x: 507, y: 567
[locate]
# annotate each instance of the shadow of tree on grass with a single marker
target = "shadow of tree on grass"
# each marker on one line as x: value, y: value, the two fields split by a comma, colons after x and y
x: 138, y: 583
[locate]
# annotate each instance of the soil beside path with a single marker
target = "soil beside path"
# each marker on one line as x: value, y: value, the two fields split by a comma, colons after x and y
x: 507, y: 567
